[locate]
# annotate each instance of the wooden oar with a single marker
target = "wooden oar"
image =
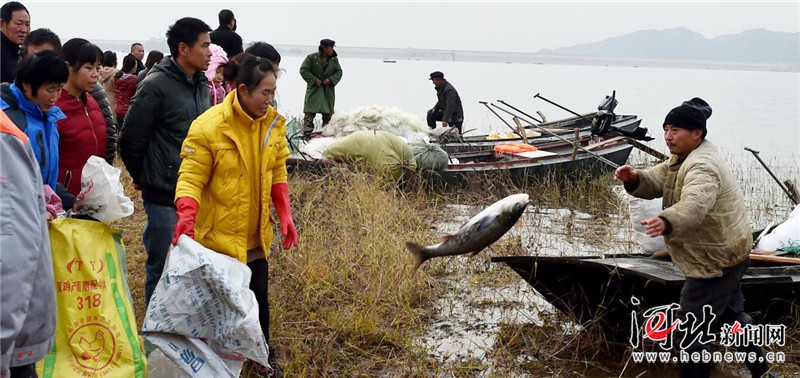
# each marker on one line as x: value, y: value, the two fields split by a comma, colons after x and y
x: 498, y: 116
x: 777, y: 259
x: 755, y: 254
x: 521, y: 129
x: 646, y: 149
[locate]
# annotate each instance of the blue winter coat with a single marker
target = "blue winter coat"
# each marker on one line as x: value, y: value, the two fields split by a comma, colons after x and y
x: 40, y: 127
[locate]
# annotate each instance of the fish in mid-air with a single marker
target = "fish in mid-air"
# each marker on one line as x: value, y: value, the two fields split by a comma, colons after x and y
x: 478, y: 233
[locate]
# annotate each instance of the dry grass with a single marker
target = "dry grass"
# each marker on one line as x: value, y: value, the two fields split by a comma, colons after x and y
x: 344, y: 301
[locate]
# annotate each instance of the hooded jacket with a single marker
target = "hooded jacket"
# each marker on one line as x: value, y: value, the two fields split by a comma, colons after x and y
x: 28, y: 299
x: 81, y: 135
x: 166, y: 103
x: 218, y: 58
x: 449, y: 103
x: 320, y: 99
x: 217, y: 172
x: 41, y: 128
x: 705, y: 208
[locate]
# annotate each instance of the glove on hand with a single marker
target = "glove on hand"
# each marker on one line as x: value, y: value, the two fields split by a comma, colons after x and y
x: 280, y: 198
x: 187, y: 211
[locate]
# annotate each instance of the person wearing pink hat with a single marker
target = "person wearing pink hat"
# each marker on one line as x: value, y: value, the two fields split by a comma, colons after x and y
x: 216, y: 85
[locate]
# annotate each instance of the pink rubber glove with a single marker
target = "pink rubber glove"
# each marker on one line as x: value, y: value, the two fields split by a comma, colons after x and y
x: 280, y: 198
x: 187, y: 211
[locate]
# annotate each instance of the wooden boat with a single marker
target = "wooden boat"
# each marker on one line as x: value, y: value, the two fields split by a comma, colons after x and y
x: 555, y: 158
x: 565, y: 128
x: 598, y: 291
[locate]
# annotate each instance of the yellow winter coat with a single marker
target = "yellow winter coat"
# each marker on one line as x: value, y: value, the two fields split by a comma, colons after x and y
x: 216, y: 173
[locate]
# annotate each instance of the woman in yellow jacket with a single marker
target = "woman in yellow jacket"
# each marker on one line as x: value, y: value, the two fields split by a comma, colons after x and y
x: 234, y: 166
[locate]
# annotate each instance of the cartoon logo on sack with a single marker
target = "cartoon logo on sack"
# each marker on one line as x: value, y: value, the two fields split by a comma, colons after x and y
x: 94, y: 346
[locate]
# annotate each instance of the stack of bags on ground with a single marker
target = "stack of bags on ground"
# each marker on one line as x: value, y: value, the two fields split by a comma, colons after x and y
x: 378, y: 136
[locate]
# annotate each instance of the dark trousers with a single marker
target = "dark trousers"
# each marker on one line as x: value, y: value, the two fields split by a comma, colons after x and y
x: 25, y: 371
x: 157, y: 237
x: 259, y: 284
x: 308, y: 122
x: 437, y: 116
x: 724, y: 295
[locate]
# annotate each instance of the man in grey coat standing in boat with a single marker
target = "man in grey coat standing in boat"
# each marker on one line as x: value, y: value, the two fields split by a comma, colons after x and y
x: 705, y: 228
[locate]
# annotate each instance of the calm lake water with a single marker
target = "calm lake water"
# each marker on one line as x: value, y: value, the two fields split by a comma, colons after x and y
x: 755, y: 109
x: 760, y: 110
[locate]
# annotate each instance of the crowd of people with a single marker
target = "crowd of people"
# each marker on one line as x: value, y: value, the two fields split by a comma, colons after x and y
x: 199, y: 132
x: 205, y: 104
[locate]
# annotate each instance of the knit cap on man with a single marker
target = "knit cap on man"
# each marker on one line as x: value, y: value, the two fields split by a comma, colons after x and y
x: 690, y: 115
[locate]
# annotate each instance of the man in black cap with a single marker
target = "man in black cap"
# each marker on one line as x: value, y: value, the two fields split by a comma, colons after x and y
x: 705, y: 228
x: 322, y: 72
x: 448, y: 109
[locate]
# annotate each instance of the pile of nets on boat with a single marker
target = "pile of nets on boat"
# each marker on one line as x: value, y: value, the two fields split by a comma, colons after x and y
x: 391, y: 119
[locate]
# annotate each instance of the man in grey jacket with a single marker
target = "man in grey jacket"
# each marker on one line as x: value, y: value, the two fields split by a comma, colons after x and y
x: 705, y: 228
x: 27, y: 285
x: 166, y: 102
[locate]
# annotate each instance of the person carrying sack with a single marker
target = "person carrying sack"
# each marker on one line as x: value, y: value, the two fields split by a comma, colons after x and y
x: 226, y: 209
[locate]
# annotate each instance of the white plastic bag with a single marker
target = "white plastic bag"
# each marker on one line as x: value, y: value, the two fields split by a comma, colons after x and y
x: 204, y: 295
x: 642, y: 209
x: 784, y: 234
x: 102, y: 196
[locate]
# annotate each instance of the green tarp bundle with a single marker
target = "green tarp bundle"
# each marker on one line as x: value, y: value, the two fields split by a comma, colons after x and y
x: 379, y: 150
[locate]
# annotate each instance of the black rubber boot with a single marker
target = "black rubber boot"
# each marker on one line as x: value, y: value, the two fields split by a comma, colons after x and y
x: 276, y: 372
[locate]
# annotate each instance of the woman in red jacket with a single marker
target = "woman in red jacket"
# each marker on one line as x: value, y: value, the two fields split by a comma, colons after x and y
x: 125, y: 86
x: 83, y: 133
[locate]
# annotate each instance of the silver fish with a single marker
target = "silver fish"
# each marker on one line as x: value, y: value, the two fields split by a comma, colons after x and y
x: 478, y: 233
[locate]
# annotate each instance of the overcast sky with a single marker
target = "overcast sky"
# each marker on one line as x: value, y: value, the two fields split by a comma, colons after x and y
x: 486, y: 26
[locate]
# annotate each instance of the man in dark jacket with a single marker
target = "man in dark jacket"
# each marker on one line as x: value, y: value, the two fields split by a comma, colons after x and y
x: 15, y: 23
x: 137, y: 51
x: 166, y: 102
x: 448, y: 109
x: 225, y: 35
x: 321, y: 72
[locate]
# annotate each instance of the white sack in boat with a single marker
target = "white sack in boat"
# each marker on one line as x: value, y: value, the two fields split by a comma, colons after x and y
x: 378, y: 117
x: 316, y: 147
x: 786, y: 233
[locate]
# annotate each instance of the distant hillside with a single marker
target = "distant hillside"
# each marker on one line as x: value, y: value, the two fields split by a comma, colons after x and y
x: 750, y: 46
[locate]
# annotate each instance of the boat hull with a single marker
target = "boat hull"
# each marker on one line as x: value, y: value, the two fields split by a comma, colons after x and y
x: 525, y: 171
x: 599, y: 290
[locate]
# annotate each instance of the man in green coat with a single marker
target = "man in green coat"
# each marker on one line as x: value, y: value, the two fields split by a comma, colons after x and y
x: 322, y: 72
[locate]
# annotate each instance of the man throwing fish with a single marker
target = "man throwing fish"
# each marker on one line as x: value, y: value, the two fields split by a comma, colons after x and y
x: 448, y: 109
x: 704, y: 223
